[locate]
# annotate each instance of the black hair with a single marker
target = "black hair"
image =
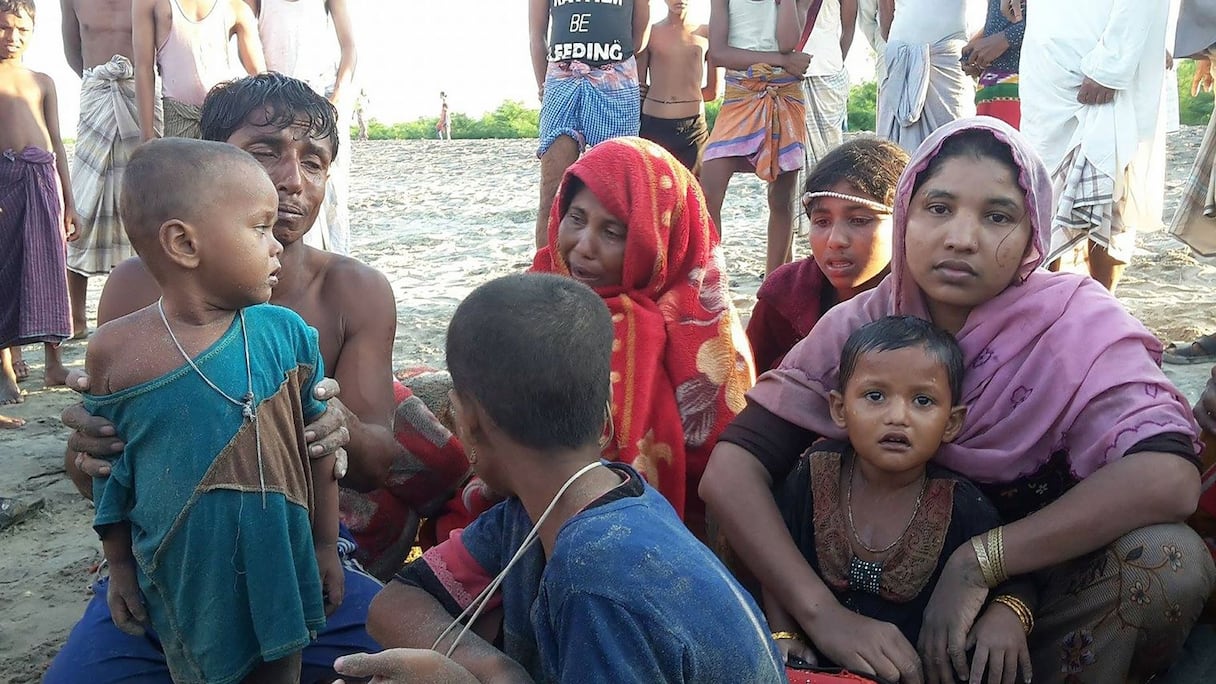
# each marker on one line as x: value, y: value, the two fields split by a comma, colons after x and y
x: 534, y: 350
x: 904, y: 332
x: 169, y: 178
x: 870, y: 164
x: 974, y: 143
x: 573, y: 185
x: 288, y: 100
x: 17, y: 6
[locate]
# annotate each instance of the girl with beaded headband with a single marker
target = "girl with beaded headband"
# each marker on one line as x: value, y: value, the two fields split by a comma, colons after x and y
x: 847, y: 198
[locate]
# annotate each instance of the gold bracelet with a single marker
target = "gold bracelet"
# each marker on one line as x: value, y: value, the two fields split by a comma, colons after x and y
x: 996, y: 553
x: 1019, y: 609
x: 981, y: 557
x: 778, y: 636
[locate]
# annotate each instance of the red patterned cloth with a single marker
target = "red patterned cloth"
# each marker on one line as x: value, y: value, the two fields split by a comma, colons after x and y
x: 428, y: 471
x: 680, y: 362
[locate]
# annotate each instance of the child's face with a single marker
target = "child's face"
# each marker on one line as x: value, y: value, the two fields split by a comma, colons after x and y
x: 968, y: 230
x: 592, y: 241
x: 243, y: 256
x: 896, y: 409
x: 851, y: 242
x: 15, y: 32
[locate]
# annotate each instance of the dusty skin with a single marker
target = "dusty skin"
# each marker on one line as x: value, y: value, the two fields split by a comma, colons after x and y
x: 439, y: 220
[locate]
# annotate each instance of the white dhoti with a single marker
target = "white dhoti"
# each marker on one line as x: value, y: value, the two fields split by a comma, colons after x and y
x: 1099, y: 155
x: 924, y: 89
x: 105, y: 137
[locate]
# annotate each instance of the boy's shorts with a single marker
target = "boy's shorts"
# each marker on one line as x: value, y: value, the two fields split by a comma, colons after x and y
x: 683, y: 138
x: 589, y: 104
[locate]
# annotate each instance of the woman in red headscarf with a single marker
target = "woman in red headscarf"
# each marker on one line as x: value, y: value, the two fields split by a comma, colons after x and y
x: 630, y: 222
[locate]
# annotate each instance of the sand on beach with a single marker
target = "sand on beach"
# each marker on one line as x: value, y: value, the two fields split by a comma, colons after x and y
x: 438, y: 219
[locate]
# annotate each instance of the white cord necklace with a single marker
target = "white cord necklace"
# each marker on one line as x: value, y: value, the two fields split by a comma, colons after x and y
x: 248, y: 410
x: 478, y: 604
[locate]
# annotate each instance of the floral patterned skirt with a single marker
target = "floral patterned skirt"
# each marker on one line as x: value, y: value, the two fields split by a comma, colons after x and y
x: 1121, y: 613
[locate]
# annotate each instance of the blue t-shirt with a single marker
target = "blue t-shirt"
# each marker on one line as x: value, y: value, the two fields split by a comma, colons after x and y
x: 628, y: 595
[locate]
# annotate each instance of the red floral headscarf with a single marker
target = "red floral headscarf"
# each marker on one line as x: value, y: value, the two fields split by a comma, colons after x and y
x: 680, y: 363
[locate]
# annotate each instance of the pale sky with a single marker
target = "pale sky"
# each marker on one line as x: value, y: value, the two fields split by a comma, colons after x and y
x: 409, y: 51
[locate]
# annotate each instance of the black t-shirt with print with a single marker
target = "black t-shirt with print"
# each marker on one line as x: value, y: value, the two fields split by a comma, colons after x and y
x: 595, y: 32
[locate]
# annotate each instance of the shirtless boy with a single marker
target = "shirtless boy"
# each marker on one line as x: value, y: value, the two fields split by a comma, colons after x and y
x: 97, y: 45
x: 291, y: 130
x: 187, y: 42
x: 36, y: 216
x: 671, y: 71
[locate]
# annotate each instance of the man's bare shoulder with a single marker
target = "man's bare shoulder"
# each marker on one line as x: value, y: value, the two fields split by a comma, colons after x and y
x: 349, y: 280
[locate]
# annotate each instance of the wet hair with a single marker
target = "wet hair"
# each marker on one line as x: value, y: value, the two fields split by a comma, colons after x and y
x: 288, y: 100
x: 170, y: 178
x: 975, y: 143
x: 904, y: 332
x: 534, y: 350
x: 17, y: 7
x: 869, y: 164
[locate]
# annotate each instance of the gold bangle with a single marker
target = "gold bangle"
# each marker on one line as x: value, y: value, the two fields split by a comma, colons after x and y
x: 981, y: 557
x: 778, y: 636
x: 996, y: 553
x: 1019, y: 608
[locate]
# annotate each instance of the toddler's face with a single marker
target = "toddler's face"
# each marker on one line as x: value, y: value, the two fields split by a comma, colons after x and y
x: 897, y: 409
x: 243, y: 255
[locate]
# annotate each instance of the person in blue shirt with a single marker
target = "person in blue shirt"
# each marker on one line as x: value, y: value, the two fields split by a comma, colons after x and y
x: 585, y: 572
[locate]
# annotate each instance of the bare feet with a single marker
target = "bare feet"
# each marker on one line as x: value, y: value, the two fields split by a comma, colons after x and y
x: 8, y: 423
x: 56, y: 375
x: 9, y: 392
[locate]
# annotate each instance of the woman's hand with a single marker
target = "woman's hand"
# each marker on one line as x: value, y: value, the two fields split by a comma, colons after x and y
x: 865, y: 645
x: 404, y: 666
x: 1000, y: 647
x: 956, y: 601
x: 984, y: 51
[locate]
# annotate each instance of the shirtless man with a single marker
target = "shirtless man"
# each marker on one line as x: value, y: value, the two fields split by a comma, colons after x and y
x: 292, y: 131
x: 671, y: 70
x: 187, y: 42
x: 97, y: 45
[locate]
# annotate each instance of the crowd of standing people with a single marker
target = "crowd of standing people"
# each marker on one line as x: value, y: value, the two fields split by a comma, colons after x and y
x: 931, y: 457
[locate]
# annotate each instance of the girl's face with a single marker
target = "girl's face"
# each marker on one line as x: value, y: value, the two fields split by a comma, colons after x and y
x: 968, y: 230
x: 592, y: 241
x: 851, y: 242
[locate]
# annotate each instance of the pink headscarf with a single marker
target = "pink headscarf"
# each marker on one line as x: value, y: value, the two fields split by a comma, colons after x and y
x: 1053, y: 363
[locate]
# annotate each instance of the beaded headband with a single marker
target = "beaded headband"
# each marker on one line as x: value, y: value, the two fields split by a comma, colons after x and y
x: 865, y: 202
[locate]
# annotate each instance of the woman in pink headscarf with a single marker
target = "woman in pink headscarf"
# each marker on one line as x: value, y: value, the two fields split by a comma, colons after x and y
x: 1072, y: 430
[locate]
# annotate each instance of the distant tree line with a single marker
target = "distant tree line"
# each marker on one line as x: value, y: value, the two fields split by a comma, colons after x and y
x: 513, y: 119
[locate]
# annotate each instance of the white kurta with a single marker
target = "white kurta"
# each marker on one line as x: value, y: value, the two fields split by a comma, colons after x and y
x: 1121, y: 45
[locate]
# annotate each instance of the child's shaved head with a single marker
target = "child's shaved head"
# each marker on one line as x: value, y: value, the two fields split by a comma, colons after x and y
x: 175, y: 178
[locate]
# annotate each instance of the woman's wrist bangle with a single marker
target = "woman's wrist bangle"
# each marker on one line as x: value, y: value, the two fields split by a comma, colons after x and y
x: 1019, y: 608
x: 778, y: 636
x: 990, y: 554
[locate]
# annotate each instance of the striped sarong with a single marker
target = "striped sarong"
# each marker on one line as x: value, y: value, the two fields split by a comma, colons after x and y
x: 827, y: 108
x: 1195, y: 221
x: 763, y: 119
x: 1089, y: 209
x: 182, y: 120
x: 34, y: 307
x: 107, y: 134
x: 997, y: 96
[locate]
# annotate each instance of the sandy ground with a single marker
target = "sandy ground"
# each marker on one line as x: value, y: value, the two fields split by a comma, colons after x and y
x: 439, y: 219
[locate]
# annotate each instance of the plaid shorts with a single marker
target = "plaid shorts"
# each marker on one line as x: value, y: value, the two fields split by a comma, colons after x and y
x: 589, y: 104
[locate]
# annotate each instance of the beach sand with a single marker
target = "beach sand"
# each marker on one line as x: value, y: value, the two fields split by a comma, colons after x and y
x: 438, y: 219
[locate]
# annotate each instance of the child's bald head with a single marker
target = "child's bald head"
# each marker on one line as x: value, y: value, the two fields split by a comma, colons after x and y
x: 179, y: 179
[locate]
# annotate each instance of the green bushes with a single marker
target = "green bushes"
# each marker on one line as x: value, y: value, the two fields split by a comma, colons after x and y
x: 510, y: 120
